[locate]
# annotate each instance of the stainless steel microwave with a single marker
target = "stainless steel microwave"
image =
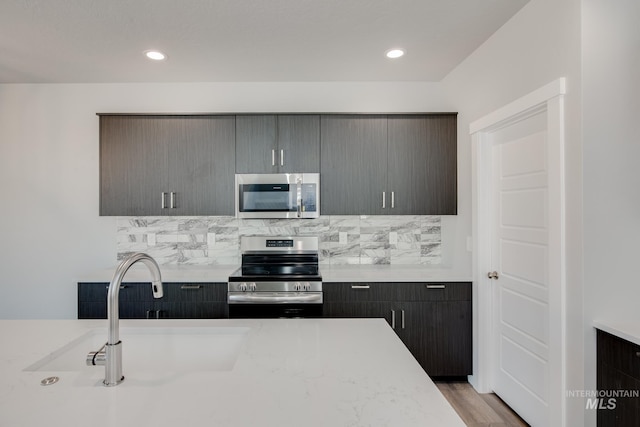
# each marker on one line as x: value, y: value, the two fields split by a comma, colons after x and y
x: 278, y: 195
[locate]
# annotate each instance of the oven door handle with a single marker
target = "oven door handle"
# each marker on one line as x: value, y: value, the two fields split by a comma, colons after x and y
x: 275, y: 298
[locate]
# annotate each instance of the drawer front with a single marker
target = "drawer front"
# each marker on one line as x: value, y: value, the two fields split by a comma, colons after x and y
x: 434, y: 291
x: 195, y: 292
x: 361, y: 292
x: 128, y: 292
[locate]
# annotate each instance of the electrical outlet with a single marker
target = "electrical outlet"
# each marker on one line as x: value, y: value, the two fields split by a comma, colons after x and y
x: 393, y: 238
x: 342, y: 237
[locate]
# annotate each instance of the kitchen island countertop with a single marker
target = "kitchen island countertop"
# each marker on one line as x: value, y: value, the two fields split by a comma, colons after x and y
x: 288, y: 372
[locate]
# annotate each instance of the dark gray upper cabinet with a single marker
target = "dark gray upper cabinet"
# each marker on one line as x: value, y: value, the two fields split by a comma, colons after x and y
x: 166, y: 165
x: 353, y: 158
x: 421, y: 164
x: 388, y: 165
x: 277, y: 143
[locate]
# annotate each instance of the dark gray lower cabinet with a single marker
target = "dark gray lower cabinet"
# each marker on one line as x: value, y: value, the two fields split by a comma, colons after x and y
x: 618, y: 371
x: 432, y: 319
x: 180, y: 301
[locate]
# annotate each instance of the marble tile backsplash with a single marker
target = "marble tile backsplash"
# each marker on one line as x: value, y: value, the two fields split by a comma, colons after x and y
x: 343, y: 239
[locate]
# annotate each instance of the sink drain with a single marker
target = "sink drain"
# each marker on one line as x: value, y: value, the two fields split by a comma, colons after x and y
x: 49, y: 381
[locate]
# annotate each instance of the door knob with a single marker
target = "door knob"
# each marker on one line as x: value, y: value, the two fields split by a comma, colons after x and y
x: 493, y: 275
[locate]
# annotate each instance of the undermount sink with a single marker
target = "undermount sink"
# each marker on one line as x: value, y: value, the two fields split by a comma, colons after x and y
x: 154, y: 349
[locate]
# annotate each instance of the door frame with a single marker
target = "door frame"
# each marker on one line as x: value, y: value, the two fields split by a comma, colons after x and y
x: 548, y: 99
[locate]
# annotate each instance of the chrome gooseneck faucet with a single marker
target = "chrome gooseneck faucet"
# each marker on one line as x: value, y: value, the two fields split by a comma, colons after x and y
x: 110, y: 355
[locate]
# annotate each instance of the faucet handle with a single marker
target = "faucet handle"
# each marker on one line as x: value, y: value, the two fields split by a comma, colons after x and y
x: 97, y: 358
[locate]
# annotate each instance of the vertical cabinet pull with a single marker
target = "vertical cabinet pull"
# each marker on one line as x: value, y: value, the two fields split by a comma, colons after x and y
x: 393, y: 199
x: 172, y: 200
x: 402, y: 319
x: 273, y: 157
x: 384, y: 200
x: 393, y: 319
x: 281, y: 157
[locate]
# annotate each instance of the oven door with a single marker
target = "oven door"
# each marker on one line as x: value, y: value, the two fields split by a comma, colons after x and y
x: 244, y: 305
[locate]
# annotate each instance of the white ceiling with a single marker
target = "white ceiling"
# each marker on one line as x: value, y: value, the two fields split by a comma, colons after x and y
x: 95, y: 41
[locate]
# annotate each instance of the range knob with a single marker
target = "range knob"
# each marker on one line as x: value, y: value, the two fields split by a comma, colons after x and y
x: 242, y: 287
x: 306, y: 286
x: 297, y: 286
x: 252, y: 287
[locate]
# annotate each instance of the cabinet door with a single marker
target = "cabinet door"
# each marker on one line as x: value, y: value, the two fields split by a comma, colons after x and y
x: 421, y: 165
x: 256, y: 147
x: 201, y: 164
x: 438, y: 334
x: 133, y: 165
x: 298, y: 143
x: 353, y: 164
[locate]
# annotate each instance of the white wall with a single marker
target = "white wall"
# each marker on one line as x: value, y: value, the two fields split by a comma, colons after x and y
x: 611, y: 115
x: 538, y: 45
x: 50, y: 230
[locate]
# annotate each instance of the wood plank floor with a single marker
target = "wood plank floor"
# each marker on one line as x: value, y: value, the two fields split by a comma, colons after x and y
x: 478, y: 410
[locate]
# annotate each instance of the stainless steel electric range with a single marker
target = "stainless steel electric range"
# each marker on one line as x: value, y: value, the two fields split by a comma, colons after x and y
x: 279, y: 277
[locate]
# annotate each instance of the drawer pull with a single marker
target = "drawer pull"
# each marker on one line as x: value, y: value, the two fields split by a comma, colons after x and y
x: 436, y: 286
x: 360, y: 286
x: 121, y: 287
x: 393, y: 319
x: 190, y: 287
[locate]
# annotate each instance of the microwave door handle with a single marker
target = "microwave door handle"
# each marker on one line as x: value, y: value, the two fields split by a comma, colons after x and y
x: 299, y: 198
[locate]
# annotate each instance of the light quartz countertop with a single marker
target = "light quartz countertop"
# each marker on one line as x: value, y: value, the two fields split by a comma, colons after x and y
x: 329, y: 273
x: 288, y: 372
x: 627, y: 329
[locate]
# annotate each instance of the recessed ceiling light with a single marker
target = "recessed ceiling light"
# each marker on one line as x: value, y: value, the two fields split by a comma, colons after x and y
x: 156, y: 55
x: 395, y: 53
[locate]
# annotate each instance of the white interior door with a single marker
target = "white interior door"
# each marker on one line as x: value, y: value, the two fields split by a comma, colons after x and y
x: 519, y: 256
x: 518, y: 204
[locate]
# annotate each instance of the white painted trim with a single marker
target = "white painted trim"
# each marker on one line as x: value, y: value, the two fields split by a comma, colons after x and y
x: 527, y: 102
x: 547, y: 99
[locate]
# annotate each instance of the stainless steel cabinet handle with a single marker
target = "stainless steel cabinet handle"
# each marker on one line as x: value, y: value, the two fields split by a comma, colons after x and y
x: 190, y: 287
x: 393, y: 199
x: 402, y: 318
x: 360, y: 286
x: 172, y: 200
x: 149, y: 314
x: 393, y: 319
x: 158, y: 314
x: 121, y: 287
x: 384, y: 200
x: 273, y: 157
x: 436, y: 286
x: 163, y: 202
x: 281, y: 157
